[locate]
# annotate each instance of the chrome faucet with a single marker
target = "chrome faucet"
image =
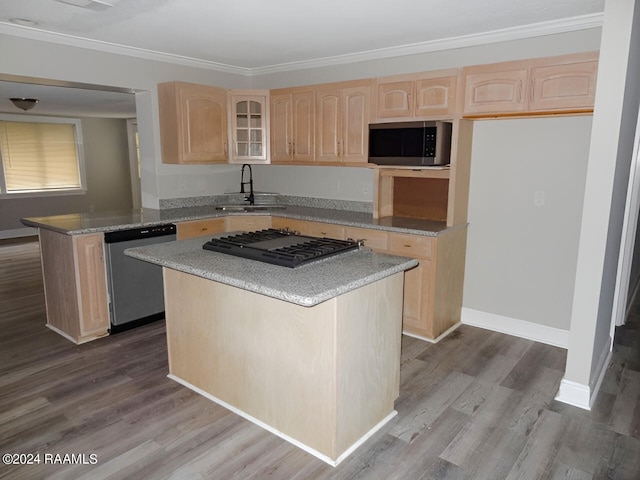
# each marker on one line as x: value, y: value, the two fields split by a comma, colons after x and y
x: 249, y: 197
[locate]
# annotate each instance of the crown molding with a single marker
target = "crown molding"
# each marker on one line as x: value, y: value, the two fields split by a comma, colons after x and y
x: 565, y: 25
x: 107, y: 47
x: 582, y: 22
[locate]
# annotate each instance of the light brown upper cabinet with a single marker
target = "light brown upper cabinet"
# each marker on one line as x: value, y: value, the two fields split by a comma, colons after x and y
x: 343, y: 112
x: 249, y: 126
x: 564, y: 84
x: 292, y: 125
x: 193, y: 123
x: 423, y: 95
x: 488, y: 89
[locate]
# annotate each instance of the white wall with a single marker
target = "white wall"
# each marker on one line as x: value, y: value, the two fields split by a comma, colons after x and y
x: 521, y: 257
x: 614, y: 121
x: 41, y: 59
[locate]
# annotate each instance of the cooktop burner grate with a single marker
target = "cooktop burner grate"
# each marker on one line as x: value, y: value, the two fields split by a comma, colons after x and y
x: 280, y: 247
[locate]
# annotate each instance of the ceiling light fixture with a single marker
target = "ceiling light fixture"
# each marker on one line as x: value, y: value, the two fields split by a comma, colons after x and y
x: 89, y: 4
x: 24, y: 22
x: 25, y: 103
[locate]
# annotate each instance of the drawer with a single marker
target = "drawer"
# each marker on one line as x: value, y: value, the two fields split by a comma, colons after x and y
x: 410, y: 245
x: 328, y: 230
x: 198, y: 228
x: 375, y: 239
x: 291, y: 224
x: 246, y: 224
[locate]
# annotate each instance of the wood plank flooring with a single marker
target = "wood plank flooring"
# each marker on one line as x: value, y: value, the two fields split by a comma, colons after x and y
x: 478, y: 405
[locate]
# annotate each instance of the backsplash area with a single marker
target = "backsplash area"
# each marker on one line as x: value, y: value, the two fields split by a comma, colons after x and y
x: 268, y: 198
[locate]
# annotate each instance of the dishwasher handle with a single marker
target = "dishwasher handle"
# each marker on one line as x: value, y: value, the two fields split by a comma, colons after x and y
x: 137, y: 233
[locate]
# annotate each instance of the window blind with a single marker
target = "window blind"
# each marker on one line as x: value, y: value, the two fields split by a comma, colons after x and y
x: 39, y: 156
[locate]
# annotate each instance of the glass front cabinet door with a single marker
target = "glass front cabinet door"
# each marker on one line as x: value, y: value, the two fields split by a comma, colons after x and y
x: 249, y: 127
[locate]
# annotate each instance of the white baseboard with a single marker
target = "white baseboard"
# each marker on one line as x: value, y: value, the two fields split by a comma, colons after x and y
x: 284, y: 436
x: 583, y: 396
x: 575, y: 394
x: 519, y: 328
x: 432, y: 340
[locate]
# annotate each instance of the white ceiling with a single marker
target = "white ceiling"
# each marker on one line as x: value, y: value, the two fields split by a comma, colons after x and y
x: 258, y: 36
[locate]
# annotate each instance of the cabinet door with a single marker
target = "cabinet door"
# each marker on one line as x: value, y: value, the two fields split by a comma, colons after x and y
x: 395, y: 99
x: 435, y: 96
x: 303, y: 147
x: 328, y: 125
x: 281, y: 127
x: 417, y: 310
x: 203, y: 133
x: 567, y: 86
x: 249, y: 128
x: 199, y: 228
x: 354, y: 142
x: 495, y: 92
x: 92, y: 284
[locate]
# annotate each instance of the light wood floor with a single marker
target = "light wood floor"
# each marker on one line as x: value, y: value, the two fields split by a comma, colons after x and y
x: 479, y: 405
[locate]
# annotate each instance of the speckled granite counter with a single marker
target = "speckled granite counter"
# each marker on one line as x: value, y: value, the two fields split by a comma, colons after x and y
x: 307, y: 285
x: 81, y: 223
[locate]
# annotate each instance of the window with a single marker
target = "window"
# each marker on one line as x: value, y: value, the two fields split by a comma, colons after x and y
x: 40, y: 155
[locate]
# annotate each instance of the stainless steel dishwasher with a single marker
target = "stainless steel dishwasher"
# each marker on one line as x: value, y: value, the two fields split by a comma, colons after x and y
x: 135, y: 287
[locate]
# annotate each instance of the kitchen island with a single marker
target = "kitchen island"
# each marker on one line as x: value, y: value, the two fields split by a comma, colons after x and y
x: 312, y: 354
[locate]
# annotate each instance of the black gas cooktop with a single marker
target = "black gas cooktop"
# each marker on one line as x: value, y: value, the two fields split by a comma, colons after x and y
x: 280, y: 247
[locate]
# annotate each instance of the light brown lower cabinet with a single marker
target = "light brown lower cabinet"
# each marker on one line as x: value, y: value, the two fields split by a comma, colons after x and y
x: 199, y: 228
x: 299, y: 226
x: 246, y: 224
x: 210, y: 226
x: 75, y: 284
x: 432, y: 290
x: 319, y: 229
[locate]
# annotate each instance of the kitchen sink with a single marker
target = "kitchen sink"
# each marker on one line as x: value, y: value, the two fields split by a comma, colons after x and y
x: 249, y: 208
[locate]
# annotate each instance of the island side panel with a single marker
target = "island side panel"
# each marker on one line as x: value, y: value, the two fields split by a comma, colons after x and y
x: 268, y: 358
x: 60, y: 289
x: 368, y: 349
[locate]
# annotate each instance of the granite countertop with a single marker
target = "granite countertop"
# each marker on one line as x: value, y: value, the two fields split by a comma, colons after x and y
x: 82, y: 223
x: 307, y: 285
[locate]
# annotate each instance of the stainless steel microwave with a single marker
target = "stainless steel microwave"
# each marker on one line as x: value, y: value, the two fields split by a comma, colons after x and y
x: 410, y: 143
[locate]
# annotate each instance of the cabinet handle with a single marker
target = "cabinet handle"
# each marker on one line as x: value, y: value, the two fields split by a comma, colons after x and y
x: 226, y: 147
x: 519, y: 92
x: 293, y: 148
